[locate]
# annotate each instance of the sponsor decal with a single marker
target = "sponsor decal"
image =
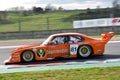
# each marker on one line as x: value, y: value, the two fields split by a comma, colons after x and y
x: 57, y: 51
x: 41, y: 52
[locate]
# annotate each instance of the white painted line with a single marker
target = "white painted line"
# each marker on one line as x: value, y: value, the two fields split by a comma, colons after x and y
x: 91, y: 62
x: 111, y: 60
x: 7, y: 47
x: 68, y: 63
x: 3, y: 67
x: 114, y: 42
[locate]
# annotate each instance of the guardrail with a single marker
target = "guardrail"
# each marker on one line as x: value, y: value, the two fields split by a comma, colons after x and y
x: 46, y: 33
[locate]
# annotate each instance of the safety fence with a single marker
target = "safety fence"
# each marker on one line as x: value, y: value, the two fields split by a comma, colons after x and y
x: 46, y: 33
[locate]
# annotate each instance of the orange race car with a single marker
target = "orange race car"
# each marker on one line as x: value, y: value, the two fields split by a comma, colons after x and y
x: 61, y: 45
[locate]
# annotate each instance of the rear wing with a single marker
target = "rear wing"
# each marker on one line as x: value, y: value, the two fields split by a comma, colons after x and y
x: 106, y: 36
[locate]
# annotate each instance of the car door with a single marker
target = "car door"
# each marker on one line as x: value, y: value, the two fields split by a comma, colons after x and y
x: 74, y: 45
x: 59, y: 48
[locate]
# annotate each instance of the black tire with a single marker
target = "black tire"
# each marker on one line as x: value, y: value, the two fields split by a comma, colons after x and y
x: 84, y: 51
x: 27, y: 56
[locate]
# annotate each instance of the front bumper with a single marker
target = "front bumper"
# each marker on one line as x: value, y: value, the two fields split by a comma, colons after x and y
x: 12, y: 60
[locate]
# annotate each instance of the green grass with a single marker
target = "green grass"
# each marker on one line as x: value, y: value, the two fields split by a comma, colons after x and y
x: 57, y: 20
x: 111, y: 73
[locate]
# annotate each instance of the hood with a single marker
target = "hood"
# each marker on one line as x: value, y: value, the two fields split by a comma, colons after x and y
x: 25, y: 47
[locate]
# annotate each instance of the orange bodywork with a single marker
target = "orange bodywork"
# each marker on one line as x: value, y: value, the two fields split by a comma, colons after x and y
x: 51, y: 50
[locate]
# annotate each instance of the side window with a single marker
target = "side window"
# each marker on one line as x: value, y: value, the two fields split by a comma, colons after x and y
x: 76, y: 39
x: 58, y: 40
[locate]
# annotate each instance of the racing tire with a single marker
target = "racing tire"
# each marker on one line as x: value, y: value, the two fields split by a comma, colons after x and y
x: 27, y: 56
x: 84, y: 51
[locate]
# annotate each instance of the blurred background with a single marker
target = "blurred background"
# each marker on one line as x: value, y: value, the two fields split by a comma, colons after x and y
x: 56, y: 15
x: 52, y: 17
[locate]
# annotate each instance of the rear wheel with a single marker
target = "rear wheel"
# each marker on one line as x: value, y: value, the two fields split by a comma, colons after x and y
x: 84, y: 51
x: 27, y: 56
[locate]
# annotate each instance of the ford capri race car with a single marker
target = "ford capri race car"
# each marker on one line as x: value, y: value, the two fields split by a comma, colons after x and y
x: 71, y: 45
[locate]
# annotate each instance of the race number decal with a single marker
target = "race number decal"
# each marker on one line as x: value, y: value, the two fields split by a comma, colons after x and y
x: 73, y: 49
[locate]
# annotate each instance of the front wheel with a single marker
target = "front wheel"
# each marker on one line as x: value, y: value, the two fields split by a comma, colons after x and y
x: 84, y: 51
x: 27, y: 56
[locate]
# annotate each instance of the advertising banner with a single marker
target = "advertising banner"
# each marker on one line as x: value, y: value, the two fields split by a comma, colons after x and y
x: 96, y: 22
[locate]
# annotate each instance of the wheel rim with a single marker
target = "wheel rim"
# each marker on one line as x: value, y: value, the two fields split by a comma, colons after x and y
x: 28, y: 56
x: 84, y: 51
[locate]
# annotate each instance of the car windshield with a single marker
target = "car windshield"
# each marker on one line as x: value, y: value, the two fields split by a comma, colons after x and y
x: 47, y: 40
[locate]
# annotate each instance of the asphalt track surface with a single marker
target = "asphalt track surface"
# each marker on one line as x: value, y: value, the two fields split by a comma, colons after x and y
x: 112, y: 52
